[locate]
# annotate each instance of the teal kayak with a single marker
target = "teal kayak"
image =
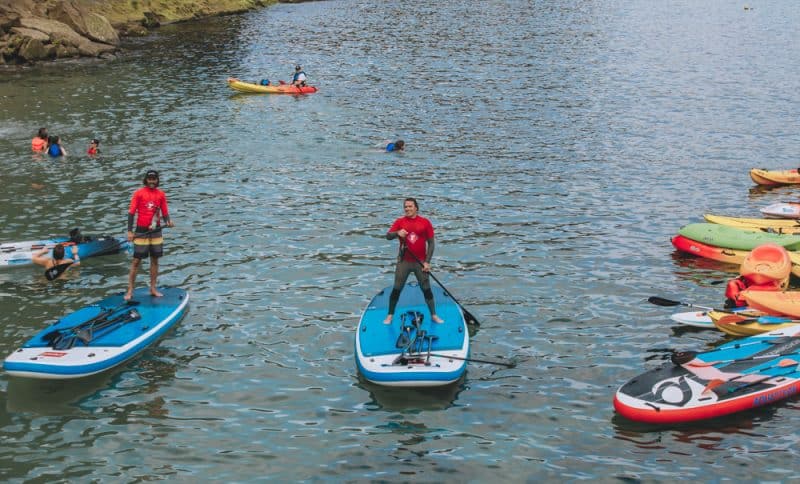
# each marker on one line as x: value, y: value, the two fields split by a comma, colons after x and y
x: 733, y: 238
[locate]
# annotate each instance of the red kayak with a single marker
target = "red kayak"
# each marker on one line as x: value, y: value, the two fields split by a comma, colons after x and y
x: 699, y: 249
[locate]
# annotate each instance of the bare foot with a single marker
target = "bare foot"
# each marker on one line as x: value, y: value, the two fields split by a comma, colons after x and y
x: 388, y: 319
x: 128, y: 295
x: 155, y: 293
x: 437, y: 319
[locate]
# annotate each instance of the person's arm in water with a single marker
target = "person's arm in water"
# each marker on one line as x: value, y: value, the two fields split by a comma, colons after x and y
x: 39, y: 257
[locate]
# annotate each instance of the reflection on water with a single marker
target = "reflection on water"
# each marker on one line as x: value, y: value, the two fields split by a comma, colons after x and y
x: 411, y: 400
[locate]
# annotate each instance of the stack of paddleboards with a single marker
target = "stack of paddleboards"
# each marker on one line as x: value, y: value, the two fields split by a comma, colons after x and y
x: 98, y: 337
x: 21, y: 253
x: 412, y: 351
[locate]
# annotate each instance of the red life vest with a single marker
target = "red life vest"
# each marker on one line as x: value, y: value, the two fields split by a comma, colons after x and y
x: 733, y: 293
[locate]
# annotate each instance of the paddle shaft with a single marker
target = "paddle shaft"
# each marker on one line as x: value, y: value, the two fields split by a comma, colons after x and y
x: 476, y: 360
x: 471, y: 319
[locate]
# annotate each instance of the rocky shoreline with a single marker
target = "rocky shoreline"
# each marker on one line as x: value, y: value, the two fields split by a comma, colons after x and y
x: 35, y: 30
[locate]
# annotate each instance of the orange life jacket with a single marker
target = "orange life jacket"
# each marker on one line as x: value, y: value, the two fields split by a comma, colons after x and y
x: 38, y: 144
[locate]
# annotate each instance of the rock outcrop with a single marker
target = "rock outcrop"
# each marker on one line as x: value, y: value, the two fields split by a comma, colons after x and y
x: 37, y: 30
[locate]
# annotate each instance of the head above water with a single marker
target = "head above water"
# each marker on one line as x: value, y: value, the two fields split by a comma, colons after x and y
x: 298, y: 67
x: 151, y: 175
x: 42, y: 133
x: 58, y: 251
x: 95, y: 141
x: 399, y: 144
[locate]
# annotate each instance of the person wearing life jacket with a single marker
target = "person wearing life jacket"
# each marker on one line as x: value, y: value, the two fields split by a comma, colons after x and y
x: 39, y: 142
x: 93, y: 147
x: 299, y: 77
x: 55, y: 150
x: 396, y: 146
x: 58, y: 264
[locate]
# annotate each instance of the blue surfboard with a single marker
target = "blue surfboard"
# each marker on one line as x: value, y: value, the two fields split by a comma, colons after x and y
x: 412, y: 351
x: 99, y: 336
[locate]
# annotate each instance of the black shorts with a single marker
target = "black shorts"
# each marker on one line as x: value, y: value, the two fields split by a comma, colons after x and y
x: 147, y: 243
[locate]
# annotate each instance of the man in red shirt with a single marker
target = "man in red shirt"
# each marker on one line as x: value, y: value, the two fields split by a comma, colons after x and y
x: 150, y: 204
x: 416, y: 237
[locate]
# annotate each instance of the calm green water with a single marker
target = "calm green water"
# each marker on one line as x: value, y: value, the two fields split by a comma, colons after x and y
x: 556, y: 147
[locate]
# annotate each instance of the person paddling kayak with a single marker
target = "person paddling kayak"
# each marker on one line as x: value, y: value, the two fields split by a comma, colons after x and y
x: 416, y: 250
x: 299, y: 77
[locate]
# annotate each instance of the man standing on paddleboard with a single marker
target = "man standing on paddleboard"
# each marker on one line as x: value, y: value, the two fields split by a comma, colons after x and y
x: 150, y: 204
x: 416, y: 250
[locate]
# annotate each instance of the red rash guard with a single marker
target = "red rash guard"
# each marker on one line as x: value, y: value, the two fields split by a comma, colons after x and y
x: 419, y: 231
x: 145, y: 202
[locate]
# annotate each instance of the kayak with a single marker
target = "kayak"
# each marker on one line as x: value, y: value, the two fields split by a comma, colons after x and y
x: 98, y: 337
x: 719, y: 254
x: 775, y: 177
x: 785, y: 303
x: 737, y: 376
x: 21, y: 253
x: 242, y: 86
x: 782, y: 210
x: 689, y: 246
x: 413, y: 351
x: 733, y: 238
x: 748, y: 325
x: 780, y: 226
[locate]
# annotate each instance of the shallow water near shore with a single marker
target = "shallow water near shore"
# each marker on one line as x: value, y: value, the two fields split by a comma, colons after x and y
x: 555, y: 147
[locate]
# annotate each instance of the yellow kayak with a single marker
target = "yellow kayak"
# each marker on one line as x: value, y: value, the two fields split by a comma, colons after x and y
x: 775, y: 177
x: 782, y: 302
x: 284, y: 88
x: 743, y: 324
x: 779, y: 226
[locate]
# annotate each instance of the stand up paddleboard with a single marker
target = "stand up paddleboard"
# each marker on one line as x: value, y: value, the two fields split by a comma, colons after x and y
x: 747, y: 373
x: 413, y: 351
x: 98, y: 337
x: 21, y: 253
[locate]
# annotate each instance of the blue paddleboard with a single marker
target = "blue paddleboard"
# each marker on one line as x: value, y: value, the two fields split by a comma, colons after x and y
x: 412, y: 351
x: 15, y: 254
x: 99, y: 336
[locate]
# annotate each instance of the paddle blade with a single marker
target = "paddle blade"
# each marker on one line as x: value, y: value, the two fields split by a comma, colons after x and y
x: 713, y: 384
x: 735, y: 319
x: 776, y: 320
x: 470, y: 318
x: 660, y: 301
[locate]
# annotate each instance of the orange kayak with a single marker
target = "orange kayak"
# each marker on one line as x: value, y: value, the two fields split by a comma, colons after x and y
x: 775, y: 177
x: 242, y: 86
x: 784, y: 302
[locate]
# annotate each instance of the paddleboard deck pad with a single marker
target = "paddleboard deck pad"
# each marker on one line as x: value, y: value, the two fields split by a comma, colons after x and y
x: 99, y: 336
x: 737, y: 376
x: 21, y: 253
x: 397, y: 354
